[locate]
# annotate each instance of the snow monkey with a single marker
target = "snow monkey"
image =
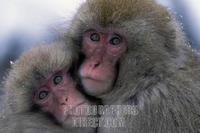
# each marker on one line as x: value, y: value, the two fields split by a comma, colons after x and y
x: 136, y: 54
x: 41, y: 93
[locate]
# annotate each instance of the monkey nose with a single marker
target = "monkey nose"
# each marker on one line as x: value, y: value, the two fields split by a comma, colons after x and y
x: 63, y: 101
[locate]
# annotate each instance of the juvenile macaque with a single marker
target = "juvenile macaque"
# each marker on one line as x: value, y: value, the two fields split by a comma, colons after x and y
x: 135, y: 54
x: 40, y: 84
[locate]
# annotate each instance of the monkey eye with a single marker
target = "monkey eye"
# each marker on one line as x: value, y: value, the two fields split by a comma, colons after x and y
x: 95, y: 37
x: 43, y: 94
x: 115, y: 40
x: 57, y: 79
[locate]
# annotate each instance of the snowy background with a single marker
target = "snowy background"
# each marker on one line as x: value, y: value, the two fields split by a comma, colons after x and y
x: 25, y: 23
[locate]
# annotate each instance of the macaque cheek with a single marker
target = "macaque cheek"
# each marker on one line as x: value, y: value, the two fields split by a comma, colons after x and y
x: 54, y: 108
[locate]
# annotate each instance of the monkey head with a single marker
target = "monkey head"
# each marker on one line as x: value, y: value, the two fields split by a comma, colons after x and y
x: 120, y: 39
x: 102, y: 51
x: 57, y: 95
x: 42, y: 77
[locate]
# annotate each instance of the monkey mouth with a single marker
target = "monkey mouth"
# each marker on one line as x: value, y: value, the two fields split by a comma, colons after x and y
x: 81, y: 103
x: 70, y: 111
x: 92, y: 79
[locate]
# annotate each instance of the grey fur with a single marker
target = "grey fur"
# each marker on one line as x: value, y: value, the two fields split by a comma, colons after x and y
x: 17, y: 115
x: 159, y: 74
x: 29, y: 123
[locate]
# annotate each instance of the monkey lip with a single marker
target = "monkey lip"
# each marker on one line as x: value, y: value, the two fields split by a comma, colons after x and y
x: 92, y: 79
x: 71, y: 111
x: 81, y: 103
x: 78, y: 105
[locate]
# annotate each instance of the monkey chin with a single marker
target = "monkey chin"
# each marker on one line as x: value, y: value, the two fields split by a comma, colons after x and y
x: 95, y: 87
x: 74, y: 112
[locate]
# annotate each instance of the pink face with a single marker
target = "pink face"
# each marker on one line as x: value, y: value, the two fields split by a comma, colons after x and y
x: 102, y: 51
x: 58, y: 95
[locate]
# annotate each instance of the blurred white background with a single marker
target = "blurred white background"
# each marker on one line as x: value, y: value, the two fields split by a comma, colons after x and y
x: 32, y: 19
x: 188, y: 12
x: 24, y: 23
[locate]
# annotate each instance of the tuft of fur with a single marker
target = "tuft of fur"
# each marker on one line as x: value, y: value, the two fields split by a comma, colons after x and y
x: 159, y: 73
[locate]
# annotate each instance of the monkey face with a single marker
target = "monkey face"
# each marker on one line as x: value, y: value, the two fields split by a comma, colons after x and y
x: 102, y: 50
x: 57, y: 95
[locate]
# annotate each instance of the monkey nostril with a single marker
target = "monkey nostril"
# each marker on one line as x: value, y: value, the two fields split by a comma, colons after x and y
x: 95, y: 64
x: 66, y: 100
